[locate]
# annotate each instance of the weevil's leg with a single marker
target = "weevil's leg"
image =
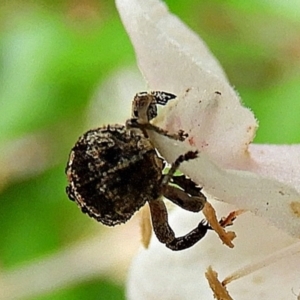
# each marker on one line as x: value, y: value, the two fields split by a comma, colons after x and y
x: 134, y: 123
x: 166, y: 235
x: 184, y: 200
x: 186, y: 184
x: 175, y: 165
x: 189, y: 239
x: 190, y: 198
x: 159, y: 216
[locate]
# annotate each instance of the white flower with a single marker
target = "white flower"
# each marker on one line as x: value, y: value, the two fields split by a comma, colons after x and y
x: 264, y: 179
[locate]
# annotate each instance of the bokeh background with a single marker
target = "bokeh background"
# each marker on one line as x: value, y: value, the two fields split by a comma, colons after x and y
x: 67, y: 66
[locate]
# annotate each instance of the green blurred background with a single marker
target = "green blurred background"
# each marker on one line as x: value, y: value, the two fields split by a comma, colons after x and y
x: 55, y: 58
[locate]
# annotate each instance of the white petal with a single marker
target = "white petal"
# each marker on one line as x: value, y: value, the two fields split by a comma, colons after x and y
x: 265, y: 196
x: 277, y: 161
x: 215, y: 121
x: 158, y: 273
x: 170, y: 55
x: 172, y: 58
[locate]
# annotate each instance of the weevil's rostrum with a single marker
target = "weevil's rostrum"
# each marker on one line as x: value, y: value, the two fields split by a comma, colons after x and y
x: 114, y: 170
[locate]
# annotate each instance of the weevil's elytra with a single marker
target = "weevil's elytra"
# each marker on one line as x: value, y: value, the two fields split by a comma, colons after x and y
x: 114, y: 170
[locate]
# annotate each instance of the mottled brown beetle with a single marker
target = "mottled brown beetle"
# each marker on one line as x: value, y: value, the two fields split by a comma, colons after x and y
x: 114, y: 170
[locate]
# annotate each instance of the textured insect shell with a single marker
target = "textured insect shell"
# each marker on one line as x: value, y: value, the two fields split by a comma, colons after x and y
x: 112, y: 172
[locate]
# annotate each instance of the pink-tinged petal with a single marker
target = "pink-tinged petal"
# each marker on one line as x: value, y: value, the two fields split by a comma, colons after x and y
x: 281, y: 162
x: 174, y: 59
x: 215, y: 121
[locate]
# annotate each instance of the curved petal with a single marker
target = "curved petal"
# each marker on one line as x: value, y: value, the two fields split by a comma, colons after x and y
x: 170, y: 55
x: 158, y: 271
x: 261, y: 193
x: 174, y: 59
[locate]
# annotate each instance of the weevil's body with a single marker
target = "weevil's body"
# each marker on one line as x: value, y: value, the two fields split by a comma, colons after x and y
x: 114, y: 170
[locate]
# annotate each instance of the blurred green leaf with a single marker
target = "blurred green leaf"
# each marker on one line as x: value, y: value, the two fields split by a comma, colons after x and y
x: 37, y: 218
x: 96, y: 289
x: 277, y: 109
x: 50, y: 70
